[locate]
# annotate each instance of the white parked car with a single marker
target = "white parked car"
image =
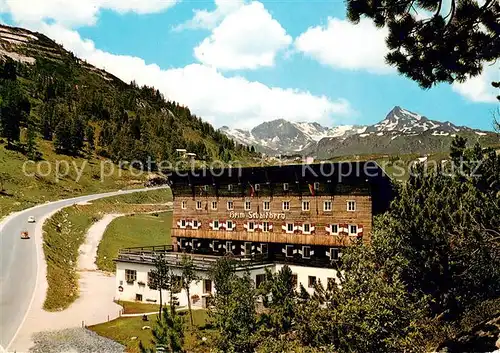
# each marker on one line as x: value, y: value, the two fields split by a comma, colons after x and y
x: 31, y: 219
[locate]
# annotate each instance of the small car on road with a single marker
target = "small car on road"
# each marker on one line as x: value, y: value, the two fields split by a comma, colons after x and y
x: 24, y: 234
x: 31, y: 219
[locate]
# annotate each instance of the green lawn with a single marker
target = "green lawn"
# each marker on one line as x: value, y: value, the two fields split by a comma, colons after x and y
x: 123, y: 329
x: 137, y: 308
x: 130, y: 231
x: 66, y: 231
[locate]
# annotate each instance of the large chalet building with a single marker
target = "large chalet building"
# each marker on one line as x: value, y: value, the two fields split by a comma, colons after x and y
x: 299, y: 215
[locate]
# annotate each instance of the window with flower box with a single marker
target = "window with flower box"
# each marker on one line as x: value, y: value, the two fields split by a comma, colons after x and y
x: 130, y: 276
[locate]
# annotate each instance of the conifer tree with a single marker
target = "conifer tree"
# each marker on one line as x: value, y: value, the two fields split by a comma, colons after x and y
x: 31, y: 146
x: 90, y: 136
x: 77, y: 135
x: 160, y: 278
x: 9, y: 70
x: 63, y: 140
x: 47, y: 118
x: 280, y: 298
x: 449, y: 45
x: 189, y: 276
x: 14, y: 109
x: 168, y: 334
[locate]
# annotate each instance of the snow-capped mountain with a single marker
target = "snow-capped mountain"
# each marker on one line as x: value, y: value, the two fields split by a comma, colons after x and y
x: 401, y: 131
x: 402, y: 121
x: 281, y: 136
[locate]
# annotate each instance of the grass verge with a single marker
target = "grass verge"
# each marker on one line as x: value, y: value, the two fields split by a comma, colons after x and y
x: 65, y: 232
x: 122, y: 330
x: 130, y: 231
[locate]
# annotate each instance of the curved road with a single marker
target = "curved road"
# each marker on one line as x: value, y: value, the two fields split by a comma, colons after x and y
x: 18, y: 262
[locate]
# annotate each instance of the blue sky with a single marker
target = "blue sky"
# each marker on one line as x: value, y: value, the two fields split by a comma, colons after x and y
x: 240, y: 63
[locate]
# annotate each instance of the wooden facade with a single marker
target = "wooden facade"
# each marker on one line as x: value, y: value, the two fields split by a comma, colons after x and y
x: 293, y: 210
x: 317, y: 218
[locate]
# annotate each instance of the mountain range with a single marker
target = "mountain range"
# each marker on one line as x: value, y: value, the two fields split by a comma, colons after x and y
x: 401, y: 131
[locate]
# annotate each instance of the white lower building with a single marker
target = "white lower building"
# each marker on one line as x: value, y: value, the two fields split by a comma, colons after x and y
x: 134, y: 265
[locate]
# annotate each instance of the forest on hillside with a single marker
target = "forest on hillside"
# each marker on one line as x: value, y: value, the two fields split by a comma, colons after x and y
x: 85, y: 112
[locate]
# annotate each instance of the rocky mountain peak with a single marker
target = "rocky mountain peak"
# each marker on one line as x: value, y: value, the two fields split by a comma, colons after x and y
x: 398, y: 127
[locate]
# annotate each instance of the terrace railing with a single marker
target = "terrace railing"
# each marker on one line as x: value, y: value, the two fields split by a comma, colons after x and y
x: 148, y: 254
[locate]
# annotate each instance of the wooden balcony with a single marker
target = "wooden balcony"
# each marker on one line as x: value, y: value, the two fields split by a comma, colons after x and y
x: 266, y: 237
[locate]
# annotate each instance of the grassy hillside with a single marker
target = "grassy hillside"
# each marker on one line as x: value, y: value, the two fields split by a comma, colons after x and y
x: 56, y: 107
x: 22, y: 190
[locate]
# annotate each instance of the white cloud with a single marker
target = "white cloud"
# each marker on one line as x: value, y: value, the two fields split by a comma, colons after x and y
x: 479, y: 89
x: 231, y: 101
x: 247, y: 38
x: 76, y: 12
x: 345, y: 45
x: 204, y: 19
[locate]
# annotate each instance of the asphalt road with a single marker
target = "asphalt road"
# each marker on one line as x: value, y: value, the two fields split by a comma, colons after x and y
x: 18, y: 263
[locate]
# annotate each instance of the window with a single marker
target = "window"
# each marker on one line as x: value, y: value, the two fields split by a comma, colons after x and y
x: 306, y: 252
x: 216, y: 225
x: 230, y: 205
x: 286, y: 205
x: 266, y: 205
x: 295, y: 280
x: 353, y: 229
x: 306, y: 228
x: 351, y: 205
x: 230, y: 187
x: 285, y: 186
x: 257, y: 187
x: 248, y: 248
x: 183, y: 223
x: 263, y: 248
x: 311, y: 281
x: 198, y: 205
x: 334, y: 228
x: 184, y: 243
x: 205, y: 187
x: 130, y: 276
x: 251, y: 226
x: 265, y: 226
x: 289, y: 228
x: 334, y: 254
x: 289, y: 251
x: 229, y: 246
x: 229, y: 225
x: 151, y: 282
x: 183, y: 205
x: 214, y: 205
x: 316, y: 186
x: 259, y: 279
x: 195, y: 224
x: 138, y: 297
x: 327, y: 206
x: 248, y: 205
x: 207, y: 286
x: 306, y: 206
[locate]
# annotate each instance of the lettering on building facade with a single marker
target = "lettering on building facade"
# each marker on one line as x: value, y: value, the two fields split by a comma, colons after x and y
x: 256, y: 215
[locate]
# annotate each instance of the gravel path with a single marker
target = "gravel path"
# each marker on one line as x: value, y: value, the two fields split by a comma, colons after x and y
x: 88, y: 250
x: 74, y: 341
